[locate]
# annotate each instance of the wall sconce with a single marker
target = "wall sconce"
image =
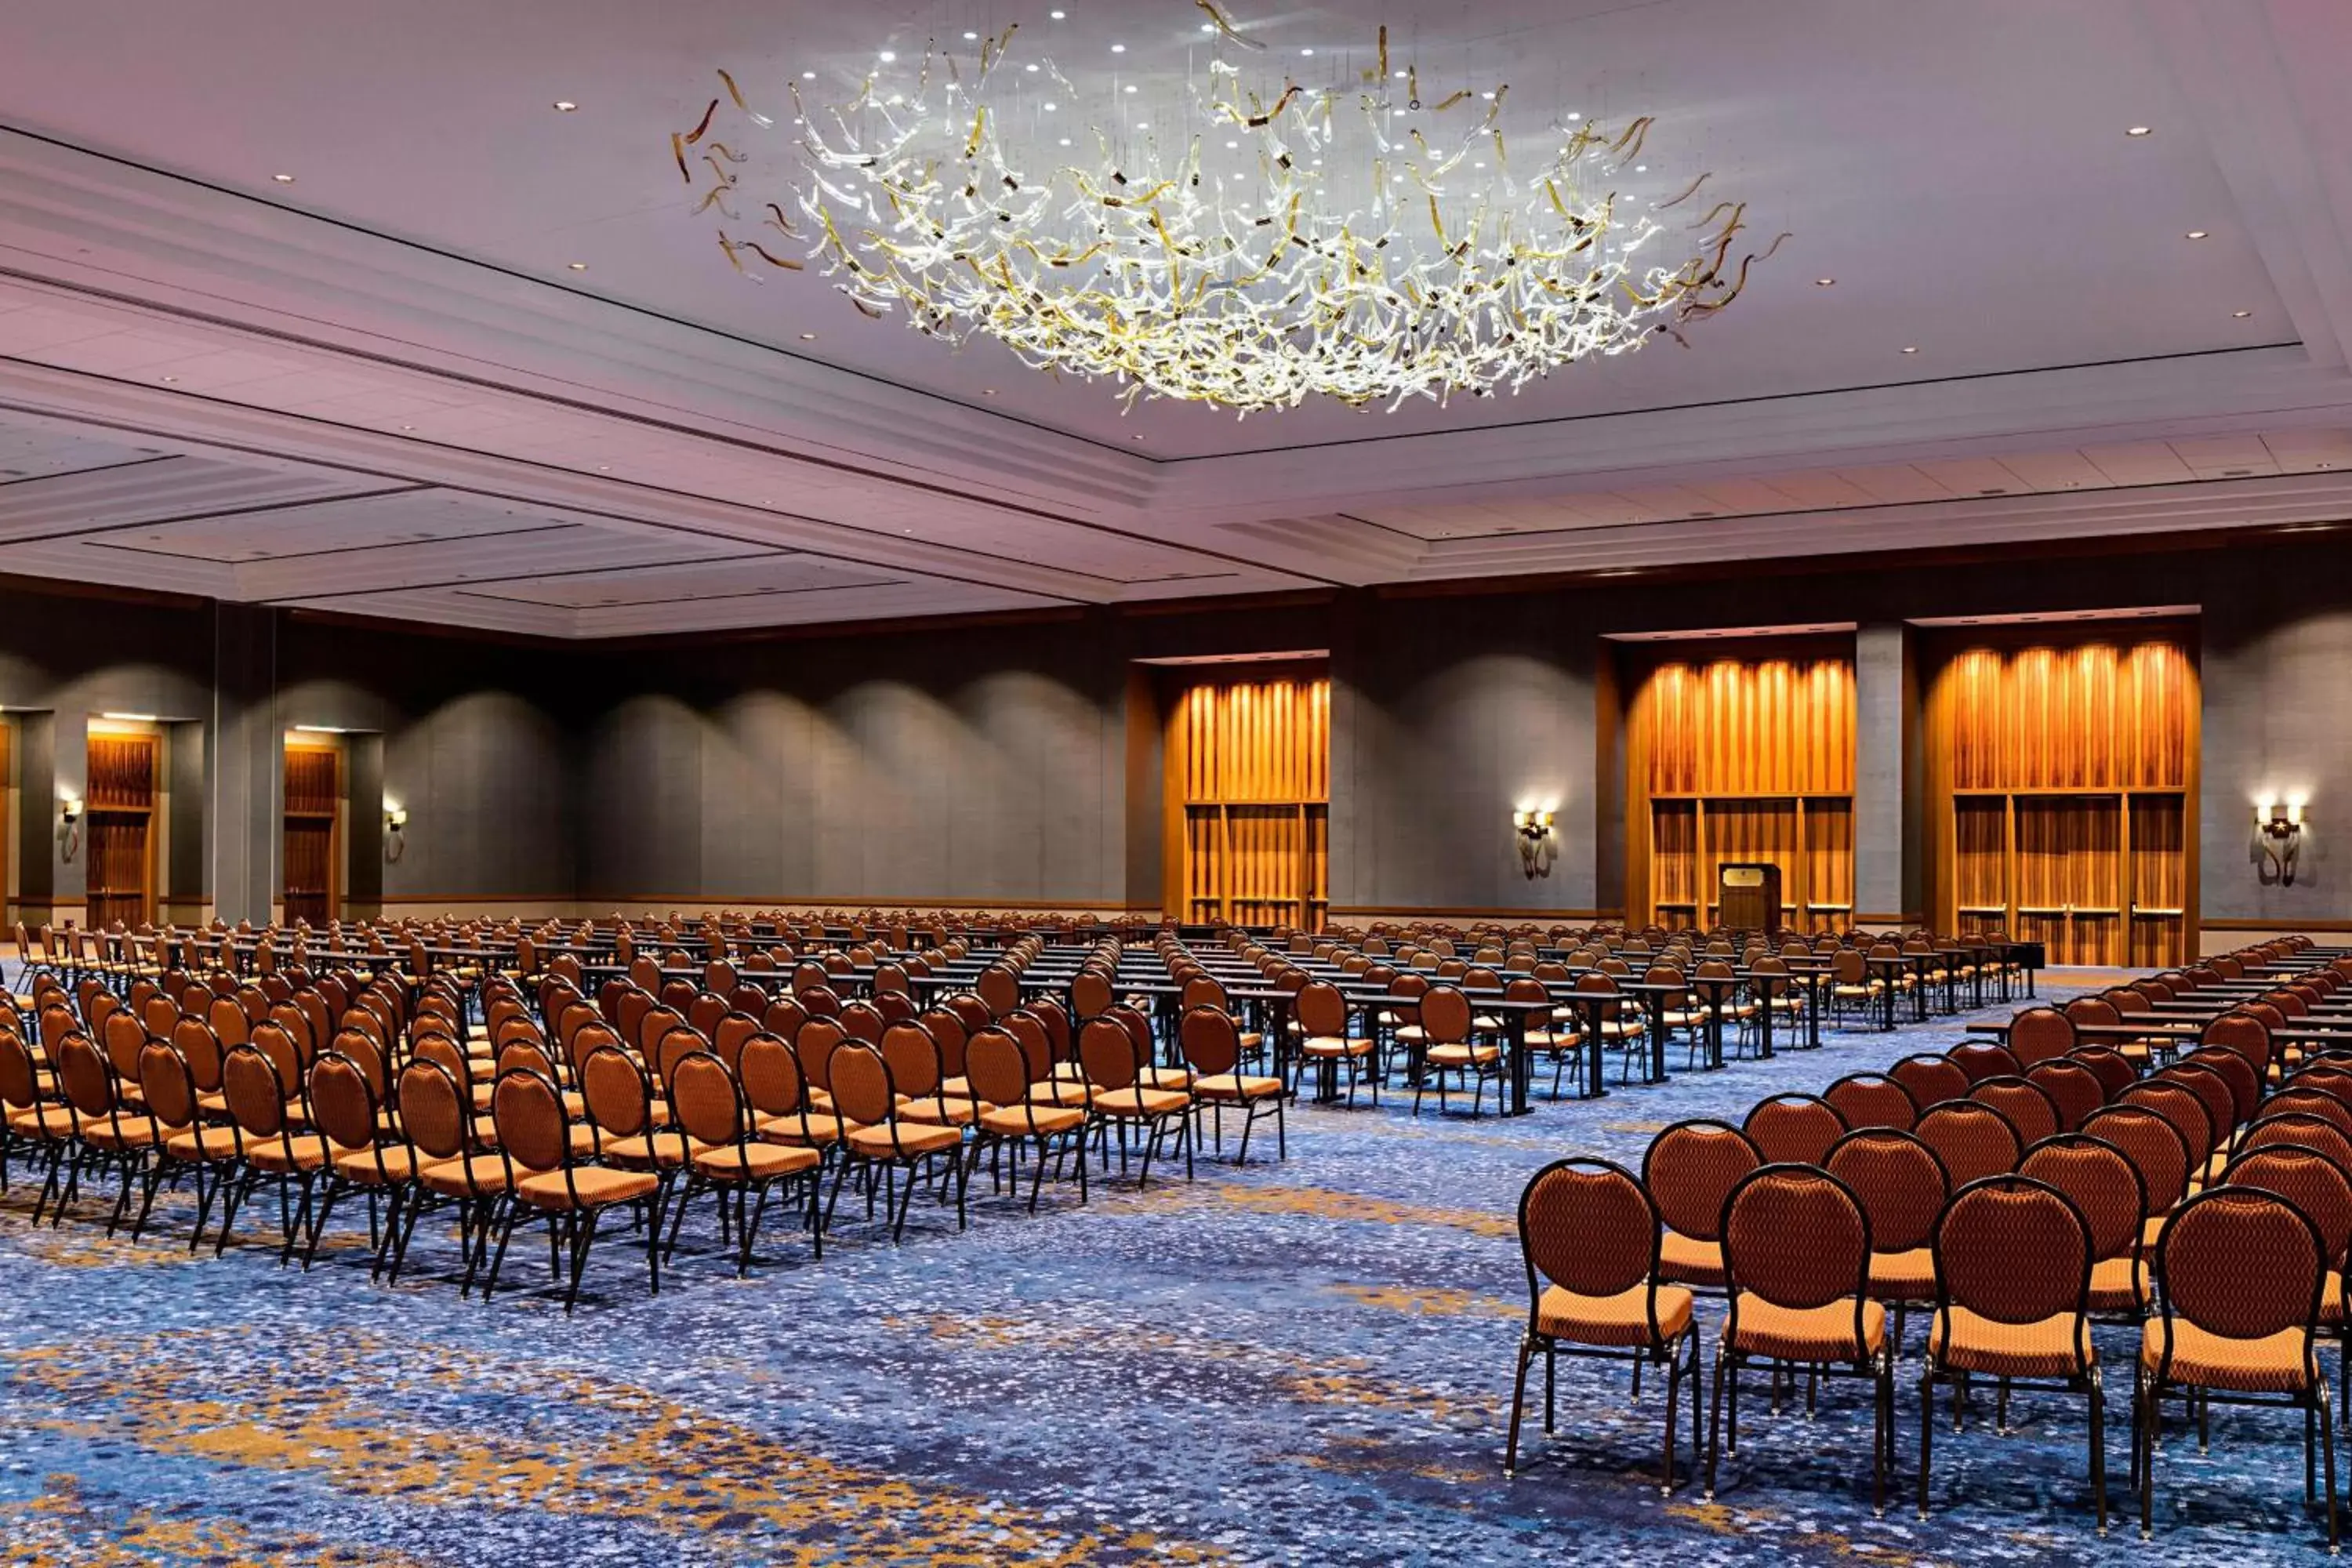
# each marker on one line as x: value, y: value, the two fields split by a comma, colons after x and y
x: 70, y: 826
x: 1536, y: 848
x: 2279, y: 826
x: 395, y: 817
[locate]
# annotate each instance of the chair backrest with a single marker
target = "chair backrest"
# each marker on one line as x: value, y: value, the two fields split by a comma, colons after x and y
x: 1973, y: 1139
x: 914, y: 1058
x: 770, y: 1075
x: 1690, y: 1170
x: 2308, y: 1101
x: 2242, y: 1033
x: 2152, y: 1144
x: 1321, y: 1010
x: 1212, y: 1044
x: 434, y: 1110
x: 2029, y: 1109
x: 343, y: 1104
x: 528, y: 1111
x: 707, y: 1101
x: 1793, y: 1129
x: 1796, y: 1236
x: 1589, y: 1227
x: 2103, y: 1183
x: 2074, y: 1090
x: 2242, y: 1264
x: 1107, y: 1051
x: 2210, y: 1084
x: 1445, y: 1015
x: 1899, y: 1180
x: 1872, y: 1099
x: 614, y: 1089
x: 1982, y: 1060
x: 2015, y: 1251
x: 2315, y: 1184
x: 1930, y: 1079
x: 250, y: 1086
x: 2039, y: 1034
x: 2183, y: 1109
x: 862, y: 1088
x: 2092, y: 1010
x: 2302, y: 1129
x: 2115, y: 1069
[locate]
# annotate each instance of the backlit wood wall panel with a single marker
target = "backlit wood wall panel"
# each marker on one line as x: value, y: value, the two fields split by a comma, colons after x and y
x: 313, y: 801
x: 118, y: 832
x: 1742, y: 758
x: 2061, y: 770
x: 1735, y: 727
x: 2095, y: 717
x: 1247, y: 792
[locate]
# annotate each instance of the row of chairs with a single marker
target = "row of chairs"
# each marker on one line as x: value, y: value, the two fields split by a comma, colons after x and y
x: 2128, y: 1157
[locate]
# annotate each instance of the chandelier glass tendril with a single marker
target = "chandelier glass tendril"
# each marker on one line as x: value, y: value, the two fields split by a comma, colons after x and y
x: 1278, y: 240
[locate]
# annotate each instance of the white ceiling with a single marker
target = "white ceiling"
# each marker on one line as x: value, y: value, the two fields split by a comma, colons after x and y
x: 380, y: 388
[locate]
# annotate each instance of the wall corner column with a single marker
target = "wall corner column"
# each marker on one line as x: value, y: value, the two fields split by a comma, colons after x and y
x: 1887, y: 865
x: 242, y: 826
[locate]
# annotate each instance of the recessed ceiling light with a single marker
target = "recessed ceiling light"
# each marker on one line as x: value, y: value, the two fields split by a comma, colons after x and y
x: 1057, y: 16
x: 1911, y: 350
x: 283, y: 179
x: 2241, y: 315
x: 1135, y: 438
x: 1130, y: 87
x: 1051, y: 107
x: 2137, y: 129
x: 808, y: 337
x: 808, y: 76
x: 970, y: 38
x: 1208, y: 26
x: 408, y: 426
x: 564, y: 106
x: 1118, y: 48
x: 2323, y: 464
x: 1640, y: 168
x: 1572, y: 114
x: 1066, y: 141
x: 1307, y: 51
x: 886, y: 57
x: 1031, y: 67
x: 169, y: 380
x: 577, y: 266
x: 2197, y: 234
x: 1230, y: 146
x: 603, y: 467
x: 1824, y: 282
x: 988, y: 392
x: 1143, y: 125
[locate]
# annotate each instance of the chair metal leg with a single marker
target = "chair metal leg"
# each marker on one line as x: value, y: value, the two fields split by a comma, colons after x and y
x: 1518, y: 1401
x: 1926, y: 1433
x: 2099, y: 1445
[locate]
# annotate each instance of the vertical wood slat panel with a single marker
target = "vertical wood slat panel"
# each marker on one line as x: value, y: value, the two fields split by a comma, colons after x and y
x: 1749, y: 735
x: 1257, y: 782
x: 1750, y: 727
x: 2060, y: 732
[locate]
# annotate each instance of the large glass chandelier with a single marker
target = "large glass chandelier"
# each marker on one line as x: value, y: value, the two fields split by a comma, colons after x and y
x: 1254, y: 240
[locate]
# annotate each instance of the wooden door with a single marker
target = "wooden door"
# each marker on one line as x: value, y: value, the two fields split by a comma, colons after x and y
x: 119, y: 831
x: 314, y: 794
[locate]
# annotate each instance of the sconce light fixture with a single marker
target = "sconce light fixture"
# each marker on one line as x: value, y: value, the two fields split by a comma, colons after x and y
x: 395, y: 817
x: 2278, y: 829
x: 70, y: 826
x: 1535, y: 846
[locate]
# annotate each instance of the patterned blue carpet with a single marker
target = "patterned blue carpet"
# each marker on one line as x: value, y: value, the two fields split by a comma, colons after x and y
x: 1307, y: 1363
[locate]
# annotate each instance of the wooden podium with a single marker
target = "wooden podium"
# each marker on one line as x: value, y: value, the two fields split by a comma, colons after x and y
x: 1748, y: 897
